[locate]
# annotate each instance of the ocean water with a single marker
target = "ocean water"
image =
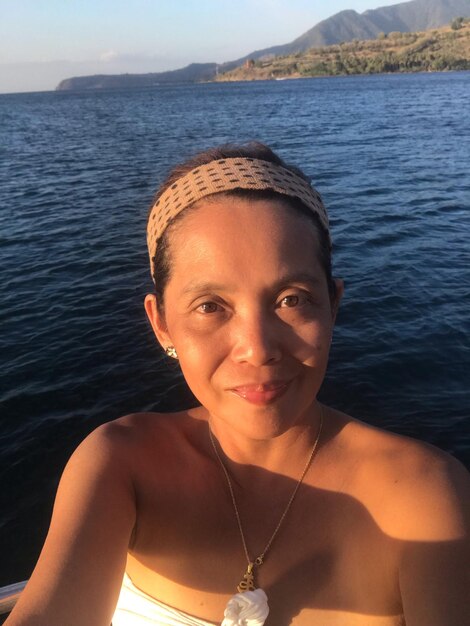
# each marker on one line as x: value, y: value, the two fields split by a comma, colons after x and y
x: 390, y: 155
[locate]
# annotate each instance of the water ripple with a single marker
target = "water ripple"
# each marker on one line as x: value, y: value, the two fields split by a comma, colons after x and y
x: 77, y: 175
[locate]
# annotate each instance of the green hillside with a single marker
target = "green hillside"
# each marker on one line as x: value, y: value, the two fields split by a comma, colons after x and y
x: 446, y: 48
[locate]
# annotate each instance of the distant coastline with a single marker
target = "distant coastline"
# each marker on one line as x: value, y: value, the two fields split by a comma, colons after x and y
x: 436, y: 50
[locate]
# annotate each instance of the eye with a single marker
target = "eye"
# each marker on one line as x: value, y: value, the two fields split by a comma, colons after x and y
x: 289, y: 301
x: 209, y: 307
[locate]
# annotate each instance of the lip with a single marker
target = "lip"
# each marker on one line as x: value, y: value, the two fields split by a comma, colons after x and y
x: 262, y: 393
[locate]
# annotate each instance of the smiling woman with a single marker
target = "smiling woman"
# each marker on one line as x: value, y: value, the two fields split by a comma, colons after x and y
x: 260, y: 505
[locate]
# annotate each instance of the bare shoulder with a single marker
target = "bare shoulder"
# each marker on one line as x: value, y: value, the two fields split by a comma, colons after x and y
x: 133, y: 440
x: 413, y: 489
x: 136, y: 428
x: 94, y: 520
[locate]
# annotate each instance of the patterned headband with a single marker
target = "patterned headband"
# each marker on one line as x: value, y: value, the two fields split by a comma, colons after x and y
x: 227, y: 175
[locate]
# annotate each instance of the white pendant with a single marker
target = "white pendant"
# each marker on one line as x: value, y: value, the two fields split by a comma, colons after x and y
x: 249, y: 608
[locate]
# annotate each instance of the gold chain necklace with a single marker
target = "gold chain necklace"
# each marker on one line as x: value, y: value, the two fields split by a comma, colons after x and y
x: 248, y: 582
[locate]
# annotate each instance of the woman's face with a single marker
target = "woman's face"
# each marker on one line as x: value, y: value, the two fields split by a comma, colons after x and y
x: 247, y: 309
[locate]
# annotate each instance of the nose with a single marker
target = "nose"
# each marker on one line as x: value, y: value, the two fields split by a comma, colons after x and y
x: 256, y: 339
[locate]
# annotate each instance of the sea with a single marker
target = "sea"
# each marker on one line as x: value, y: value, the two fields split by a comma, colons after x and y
x: 390, y: 155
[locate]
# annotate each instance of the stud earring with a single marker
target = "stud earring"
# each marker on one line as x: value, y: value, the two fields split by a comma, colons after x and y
x: 171, y: 351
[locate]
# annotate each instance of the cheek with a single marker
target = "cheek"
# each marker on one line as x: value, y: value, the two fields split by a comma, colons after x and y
x: 201, y: 355
x: 205, y: 345
x: 310, y: 336
x: 312, y: 349
x: 201, y: 337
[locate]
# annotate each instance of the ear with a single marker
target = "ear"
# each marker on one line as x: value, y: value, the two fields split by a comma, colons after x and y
x: 157, y: 320
x: 338, y: 296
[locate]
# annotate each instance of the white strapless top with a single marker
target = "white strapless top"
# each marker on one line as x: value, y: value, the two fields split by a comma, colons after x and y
x: 136, y: 608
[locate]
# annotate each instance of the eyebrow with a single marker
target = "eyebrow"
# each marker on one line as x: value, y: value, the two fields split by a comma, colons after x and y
x: 300, y: 277
x: 196, y: 287
x: 208, y: 287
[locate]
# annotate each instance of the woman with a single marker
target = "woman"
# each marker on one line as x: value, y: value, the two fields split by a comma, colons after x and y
x: 260, y: 505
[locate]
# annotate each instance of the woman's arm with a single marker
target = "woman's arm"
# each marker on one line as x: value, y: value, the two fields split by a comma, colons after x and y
x: 435, y: 565
x: 77, y: 579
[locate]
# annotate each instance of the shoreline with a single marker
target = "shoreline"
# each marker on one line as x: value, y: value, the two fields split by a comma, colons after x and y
x: 237, y: 80
x: 283, y: 78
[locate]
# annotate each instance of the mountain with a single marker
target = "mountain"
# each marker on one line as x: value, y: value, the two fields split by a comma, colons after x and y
x: 416, y: 15
x: 195, y: 72
x: 443, y: 49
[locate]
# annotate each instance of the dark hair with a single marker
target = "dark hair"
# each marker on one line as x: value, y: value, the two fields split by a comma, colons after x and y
x: 253, y: 150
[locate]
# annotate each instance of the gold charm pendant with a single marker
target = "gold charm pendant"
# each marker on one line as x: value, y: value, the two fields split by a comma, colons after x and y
x: 248, y: 582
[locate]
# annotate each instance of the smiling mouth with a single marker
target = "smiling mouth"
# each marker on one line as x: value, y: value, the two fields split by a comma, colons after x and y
x: 262, y: 394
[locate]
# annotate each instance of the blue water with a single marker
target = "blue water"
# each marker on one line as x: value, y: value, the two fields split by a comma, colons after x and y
x: 390, y: 155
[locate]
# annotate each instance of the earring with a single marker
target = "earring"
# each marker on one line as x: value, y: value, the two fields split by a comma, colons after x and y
x: 171, y: 351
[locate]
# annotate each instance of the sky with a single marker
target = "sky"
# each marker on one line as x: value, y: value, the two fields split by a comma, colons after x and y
x: 45, y: 41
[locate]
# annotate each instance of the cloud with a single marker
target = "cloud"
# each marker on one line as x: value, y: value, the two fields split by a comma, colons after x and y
x: 109, y: 55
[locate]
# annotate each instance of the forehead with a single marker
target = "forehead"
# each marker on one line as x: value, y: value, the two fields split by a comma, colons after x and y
x: 242, y: 235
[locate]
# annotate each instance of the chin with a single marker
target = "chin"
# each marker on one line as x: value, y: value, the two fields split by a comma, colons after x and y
x: 266, y: 421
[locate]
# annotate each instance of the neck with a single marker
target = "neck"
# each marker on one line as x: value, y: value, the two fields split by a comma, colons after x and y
x: 284, y: 454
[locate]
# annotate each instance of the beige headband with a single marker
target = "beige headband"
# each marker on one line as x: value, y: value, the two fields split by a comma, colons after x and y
x: 226, y: 175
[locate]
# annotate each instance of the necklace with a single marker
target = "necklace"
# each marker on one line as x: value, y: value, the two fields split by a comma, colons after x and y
x: 247, y: 584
